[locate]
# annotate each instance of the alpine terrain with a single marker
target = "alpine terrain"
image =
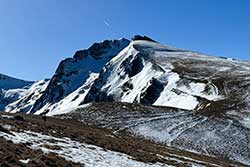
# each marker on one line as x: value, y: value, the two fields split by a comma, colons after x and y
x: 129, y: 103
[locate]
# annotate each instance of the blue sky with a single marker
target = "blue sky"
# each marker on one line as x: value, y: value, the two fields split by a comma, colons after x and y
x: 36, y: 34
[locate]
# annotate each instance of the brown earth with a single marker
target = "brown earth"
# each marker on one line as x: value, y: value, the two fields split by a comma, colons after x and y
x: 11, y: 153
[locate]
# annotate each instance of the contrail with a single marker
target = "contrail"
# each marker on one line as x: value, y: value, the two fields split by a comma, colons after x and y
x: 110, y: 28
x: 107, y: 24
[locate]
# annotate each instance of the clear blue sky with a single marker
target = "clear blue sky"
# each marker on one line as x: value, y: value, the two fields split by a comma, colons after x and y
x: 36, y: 34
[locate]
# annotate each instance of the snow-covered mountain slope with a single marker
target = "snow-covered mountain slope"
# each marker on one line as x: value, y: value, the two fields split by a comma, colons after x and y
x: 11, y: 89
x: 10, y: 96
x: 149, y: 73
x: 70, y: 102
x: 26, y: 100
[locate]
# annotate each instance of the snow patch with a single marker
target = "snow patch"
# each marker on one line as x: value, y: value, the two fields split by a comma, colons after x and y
x: 7, y: 116
x: 9, y: 127
x: 24, y: 161
x: 245, y: 122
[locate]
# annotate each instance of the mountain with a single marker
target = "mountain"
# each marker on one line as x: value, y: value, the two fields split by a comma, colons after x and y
x: 7, y: 82
x: 10, y: 89
x: 175, y: 97
x: 144, y: 71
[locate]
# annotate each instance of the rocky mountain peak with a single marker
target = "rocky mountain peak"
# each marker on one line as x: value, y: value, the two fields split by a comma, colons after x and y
x: 139, y: 37
x: 99, y: 48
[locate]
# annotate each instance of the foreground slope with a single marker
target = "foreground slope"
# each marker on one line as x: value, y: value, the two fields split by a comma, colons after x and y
x: 29, y: 141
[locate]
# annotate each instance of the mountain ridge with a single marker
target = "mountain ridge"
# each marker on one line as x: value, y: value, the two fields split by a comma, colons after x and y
x: 7, y: 82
